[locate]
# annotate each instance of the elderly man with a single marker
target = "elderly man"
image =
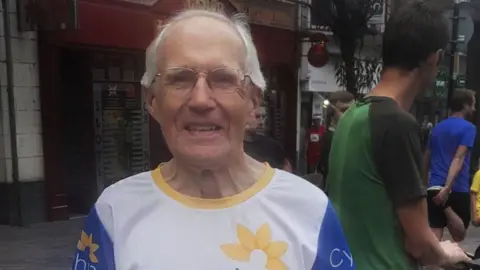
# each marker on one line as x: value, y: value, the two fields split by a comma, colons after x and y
x: 211, y: 206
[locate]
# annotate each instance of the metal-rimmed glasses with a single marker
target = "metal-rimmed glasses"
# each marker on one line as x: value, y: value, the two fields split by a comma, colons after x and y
x: 182, y: 80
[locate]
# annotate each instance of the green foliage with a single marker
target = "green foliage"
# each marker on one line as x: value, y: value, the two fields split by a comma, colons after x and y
x: 366, y: 71
x: 349, y: 22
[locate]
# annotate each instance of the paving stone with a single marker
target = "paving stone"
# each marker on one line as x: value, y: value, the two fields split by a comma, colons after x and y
x: 40, y: 246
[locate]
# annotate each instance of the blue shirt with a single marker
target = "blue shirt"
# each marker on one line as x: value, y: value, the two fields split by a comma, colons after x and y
x: 446, y: 137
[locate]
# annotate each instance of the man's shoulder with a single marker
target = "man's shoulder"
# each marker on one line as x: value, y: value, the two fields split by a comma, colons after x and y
x: 454, y: 123
x: 389, y: 114
x: 468, y: 126
x: 128, y: 191
x: 298, y: 192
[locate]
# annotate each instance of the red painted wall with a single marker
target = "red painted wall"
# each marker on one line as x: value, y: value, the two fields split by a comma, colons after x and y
x: 275, y: 46
x: 132, y: 27
x: 110, y: 26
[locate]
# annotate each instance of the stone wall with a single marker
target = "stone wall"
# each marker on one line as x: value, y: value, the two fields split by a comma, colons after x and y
x: 28, y: 122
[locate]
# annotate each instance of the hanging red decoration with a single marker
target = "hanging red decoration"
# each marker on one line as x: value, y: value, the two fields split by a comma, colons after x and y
x: 318, y: 55
x: 318, y: 37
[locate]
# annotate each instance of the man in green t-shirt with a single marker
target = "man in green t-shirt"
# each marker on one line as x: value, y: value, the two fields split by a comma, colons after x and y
x: 375, y: 166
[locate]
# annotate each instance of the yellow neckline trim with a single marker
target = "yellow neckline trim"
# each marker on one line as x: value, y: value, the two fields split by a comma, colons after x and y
x: 221, y: 203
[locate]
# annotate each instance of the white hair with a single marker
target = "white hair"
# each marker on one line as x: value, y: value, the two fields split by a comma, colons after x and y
x: 238, y: 22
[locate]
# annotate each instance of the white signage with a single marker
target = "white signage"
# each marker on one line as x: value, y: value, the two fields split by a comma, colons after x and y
x: 270, y: 13
x: 213, y: 5
x: 378, y: 7
x: 317, y: 108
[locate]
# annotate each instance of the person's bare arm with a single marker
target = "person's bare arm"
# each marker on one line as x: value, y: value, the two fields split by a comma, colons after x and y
x: 287, y: 166
x: 473, y: 207
x: 466, y: 141
x: 420, y: 242
x: 456, y: 166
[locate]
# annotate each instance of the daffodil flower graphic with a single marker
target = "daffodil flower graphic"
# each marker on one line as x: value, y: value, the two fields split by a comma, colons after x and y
x: 86, y: 241
x: 248, y: 242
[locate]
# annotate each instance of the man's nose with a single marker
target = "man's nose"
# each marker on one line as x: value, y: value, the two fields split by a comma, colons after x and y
x: 201, y: 96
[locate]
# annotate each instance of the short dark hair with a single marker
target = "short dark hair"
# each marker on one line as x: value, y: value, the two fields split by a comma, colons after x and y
x: 461, y: 98
x: 414, y: 31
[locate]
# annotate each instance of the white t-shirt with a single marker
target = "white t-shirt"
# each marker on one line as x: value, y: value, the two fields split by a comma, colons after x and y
x: 281, y: 222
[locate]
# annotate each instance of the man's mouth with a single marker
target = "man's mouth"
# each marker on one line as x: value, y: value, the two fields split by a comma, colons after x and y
x: 194, y: 128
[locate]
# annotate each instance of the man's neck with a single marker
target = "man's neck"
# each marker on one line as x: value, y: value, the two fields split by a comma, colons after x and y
x: 220, y: 182
x: 458, y: 115
x: 398, y: 86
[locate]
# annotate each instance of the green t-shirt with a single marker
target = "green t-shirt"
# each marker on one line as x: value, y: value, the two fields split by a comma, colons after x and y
x: 375, y: 166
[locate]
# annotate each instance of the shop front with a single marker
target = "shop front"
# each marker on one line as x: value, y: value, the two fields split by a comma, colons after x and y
x: 96, y: 130
x: 95, y: 126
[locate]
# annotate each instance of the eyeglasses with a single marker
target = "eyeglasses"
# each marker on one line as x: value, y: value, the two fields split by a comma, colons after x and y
x: 182, y: 80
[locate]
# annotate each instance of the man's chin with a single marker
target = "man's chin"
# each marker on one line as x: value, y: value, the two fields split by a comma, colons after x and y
x: 205, y: 156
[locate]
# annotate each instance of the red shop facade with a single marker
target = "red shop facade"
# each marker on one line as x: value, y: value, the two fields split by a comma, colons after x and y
x: 95, y: 127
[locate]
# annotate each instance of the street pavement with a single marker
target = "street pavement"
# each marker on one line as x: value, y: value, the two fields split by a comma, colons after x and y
x: 51, y: 245
x: 40, y: 246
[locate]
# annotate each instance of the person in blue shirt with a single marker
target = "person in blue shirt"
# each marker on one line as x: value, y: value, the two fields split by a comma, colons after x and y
x: 447, y: 161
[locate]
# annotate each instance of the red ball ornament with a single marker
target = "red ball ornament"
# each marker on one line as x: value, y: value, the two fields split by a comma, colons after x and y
x: 318, y: 37
x: 318, y: 55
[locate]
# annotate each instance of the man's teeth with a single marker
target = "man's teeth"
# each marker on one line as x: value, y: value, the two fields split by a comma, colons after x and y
x: 204, y: 128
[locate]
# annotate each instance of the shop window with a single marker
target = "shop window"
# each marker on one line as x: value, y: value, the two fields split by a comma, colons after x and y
x: 120, y: 118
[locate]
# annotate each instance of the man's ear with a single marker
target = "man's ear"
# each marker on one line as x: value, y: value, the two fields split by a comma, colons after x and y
x: 255, y: 99
x: 150, y: 101
x: 435, y: 59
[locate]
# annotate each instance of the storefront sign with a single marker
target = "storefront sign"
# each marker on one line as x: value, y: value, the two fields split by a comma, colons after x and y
x: 37, y: 15
x: 461, y: 81
x: 322, y: 79
x: 270, y: 13
x: 317, y: 106
x: 378, y: 7
x: 441, y: 83
x: 213, y: 5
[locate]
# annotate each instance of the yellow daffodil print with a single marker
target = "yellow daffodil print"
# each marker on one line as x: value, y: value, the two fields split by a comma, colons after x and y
x: 261, y: 240
x: 86, y: 241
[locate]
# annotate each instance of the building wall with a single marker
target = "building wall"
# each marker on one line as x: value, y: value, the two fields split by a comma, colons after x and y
x: 28, y: 121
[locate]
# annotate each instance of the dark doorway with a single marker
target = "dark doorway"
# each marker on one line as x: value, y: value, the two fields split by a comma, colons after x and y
x: 78, y: 134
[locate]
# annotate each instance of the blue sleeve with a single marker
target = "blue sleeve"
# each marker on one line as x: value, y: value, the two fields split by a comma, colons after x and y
x: 94, y: 248
x: 429, y: 141
x: 467, y: 137
x: 333, y: 251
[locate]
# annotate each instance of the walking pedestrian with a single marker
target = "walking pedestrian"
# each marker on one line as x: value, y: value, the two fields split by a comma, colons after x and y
x: 375, y: 168
x: 447, y: 163
x: 339, y: 101
x: 313, y: 137
x: 264, y: 149
x: 211, y: 206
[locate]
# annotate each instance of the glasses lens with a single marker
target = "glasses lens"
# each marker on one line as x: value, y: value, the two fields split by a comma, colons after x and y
x: 224, y: 79
x: 179, y: 79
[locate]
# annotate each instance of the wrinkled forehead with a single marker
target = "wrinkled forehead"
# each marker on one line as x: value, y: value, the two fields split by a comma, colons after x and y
x: 203, y: 42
